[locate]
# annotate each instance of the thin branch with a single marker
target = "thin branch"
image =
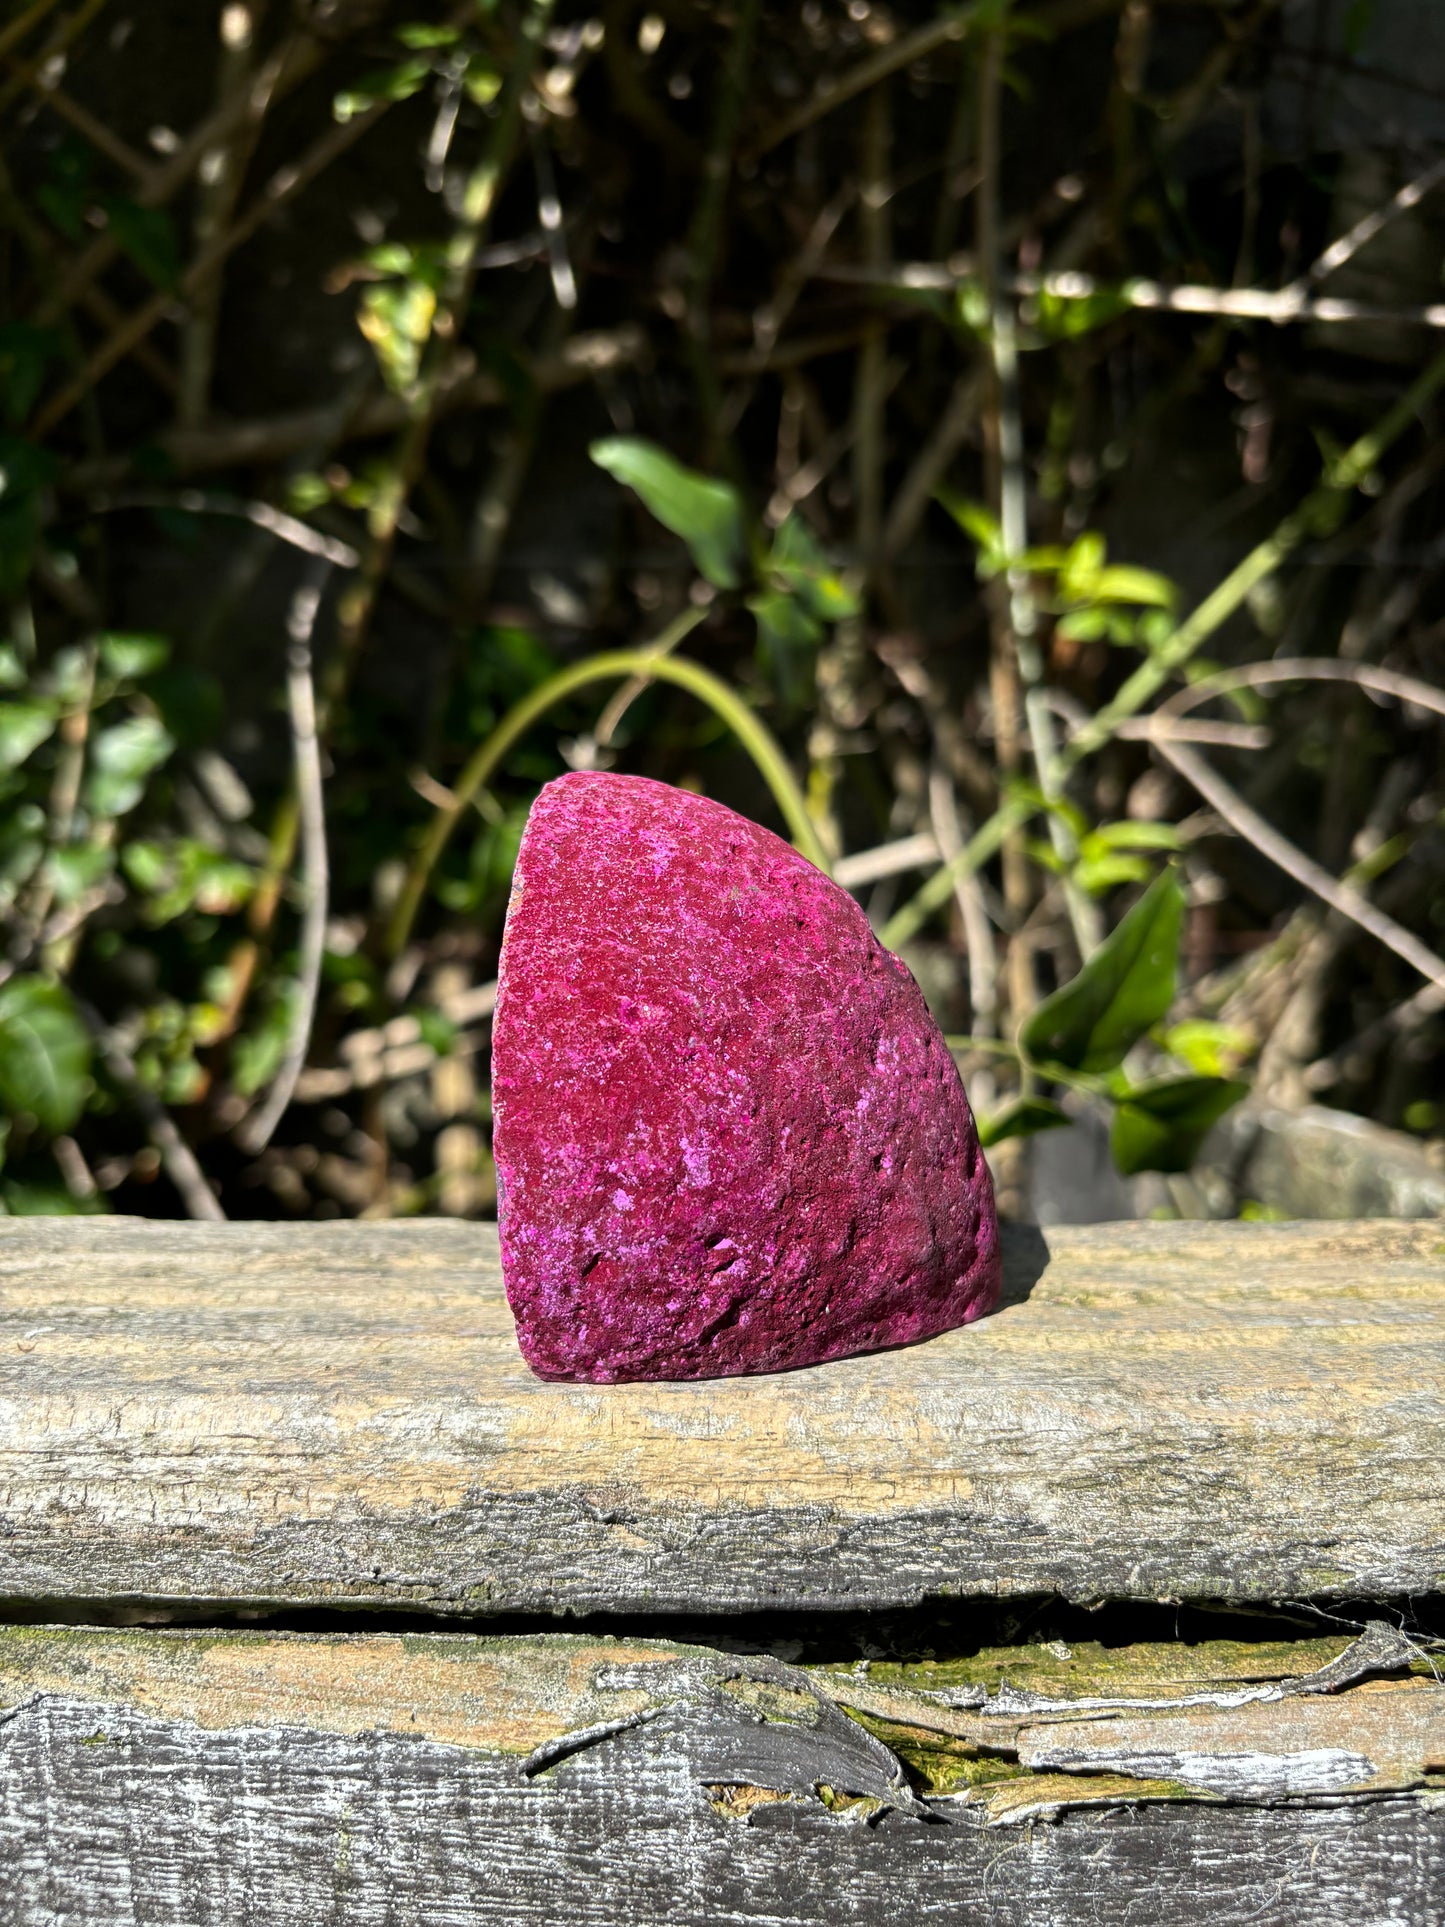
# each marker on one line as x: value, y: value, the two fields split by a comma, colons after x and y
x: 977, y: 930
x: 261, y: 515
x: 1257, y: 675
x: 176, y: 1155
x: 1281, y: 307
x: 886, y: 860
x: 1249, y: 824
x: 1364, y: 231
x: 257, y: 1131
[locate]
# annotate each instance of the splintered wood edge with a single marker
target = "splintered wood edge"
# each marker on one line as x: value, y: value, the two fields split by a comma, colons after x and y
x: 339, y: 1414
x: 543, y: 1697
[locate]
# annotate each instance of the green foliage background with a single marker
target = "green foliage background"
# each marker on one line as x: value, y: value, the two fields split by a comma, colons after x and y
x: 996, y: 446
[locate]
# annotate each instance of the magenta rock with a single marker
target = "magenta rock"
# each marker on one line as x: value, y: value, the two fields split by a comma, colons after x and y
x: 729, y: 1135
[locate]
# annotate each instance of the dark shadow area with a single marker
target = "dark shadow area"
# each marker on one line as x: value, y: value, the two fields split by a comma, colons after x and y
x: 1025, y: 1259
x: 938, y: 1629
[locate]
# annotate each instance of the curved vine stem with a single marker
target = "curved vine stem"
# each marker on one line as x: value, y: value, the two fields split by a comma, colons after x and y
x: 754, y: 735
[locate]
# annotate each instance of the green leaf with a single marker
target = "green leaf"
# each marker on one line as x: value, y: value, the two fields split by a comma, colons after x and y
x: 77, y: 868
x: 1120, y: 994
x: 788, y: 638
x: 418, y: 34
x: 1210, y: 1048
x: 25, y: 353
x: 23, y: 728
x: 1160, y: 1126
x: 707, y: 514
x: 128, y: 658
x: 1083, y: 625
x: 122, y: 758
x: 983, y: 529
x: 1100, y: 874
x: 1121, y: 582
x: 1131, y: 836
x: 1065, y: 317
x: 1025, y: 1117
x: 391, y: 83
x: 44, y: 1053
x: 147, y: 235
x: 801, y: 565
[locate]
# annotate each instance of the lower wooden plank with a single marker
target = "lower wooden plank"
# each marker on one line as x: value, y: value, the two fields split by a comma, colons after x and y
x: 116, y: 1819
x: 339, y: 1415
x: 158, y: 1778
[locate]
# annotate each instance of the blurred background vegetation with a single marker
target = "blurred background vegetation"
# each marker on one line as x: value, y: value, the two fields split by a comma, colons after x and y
x: 999, y: 447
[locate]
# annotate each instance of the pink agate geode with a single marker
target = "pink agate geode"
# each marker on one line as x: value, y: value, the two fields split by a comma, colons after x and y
x: 729, y: 1136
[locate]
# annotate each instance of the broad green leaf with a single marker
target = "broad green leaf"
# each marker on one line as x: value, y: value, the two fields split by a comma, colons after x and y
x: 1131, y: 836
x: 707, y: 514
x: 1121, y: 582
x: 23, y: 728
x: 1212, y: 1049
x: 801, y: 565
x: 1079, y: 573
x: 1160, y: 1126
x: 1100, y: 874
x: 1025, y: 1117
x: 131, y: 657
x: 44, y: 1053
x: 12, y: 670
x: 121, y: 759
x: 77, y: 868
x: 1083, y: 625
x: 1124, y: 989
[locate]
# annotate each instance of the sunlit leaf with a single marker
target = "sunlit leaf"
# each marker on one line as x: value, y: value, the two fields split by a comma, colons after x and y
x: 77, y: 869
x: 1212, y: 1049
x: 1160, y: 1126
x: 44, y: 1053
x: 390, y: 83
x: 121, y: 759
x: 128, y: 658
x: 1124, y: 989
x: 982, y: 528
x: 707, y: 514
x: 23, y: 728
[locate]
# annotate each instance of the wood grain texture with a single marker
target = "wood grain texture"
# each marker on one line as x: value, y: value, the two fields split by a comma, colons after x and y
x: 338, y: 1414
x: 151, y: 1779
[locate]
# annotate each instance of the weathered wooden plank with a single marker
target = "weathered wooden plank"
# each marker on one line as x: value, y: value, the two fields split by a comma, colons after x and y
x: 253, y: 1413
x: 185, y: 1778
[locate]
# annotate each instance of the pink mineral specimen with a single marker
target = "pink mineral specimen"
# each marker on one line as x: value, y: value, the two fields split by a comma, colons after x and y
x: 729, y: 1135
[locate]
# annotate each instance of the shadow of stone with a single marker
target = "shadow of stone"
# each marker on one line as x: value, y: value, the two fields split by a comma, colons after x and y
x: 1025, y: 1258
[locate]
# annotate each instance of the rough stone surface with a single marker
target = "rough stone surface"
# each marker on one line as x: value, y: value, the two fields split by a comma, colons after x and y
x: 729, y: 1136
